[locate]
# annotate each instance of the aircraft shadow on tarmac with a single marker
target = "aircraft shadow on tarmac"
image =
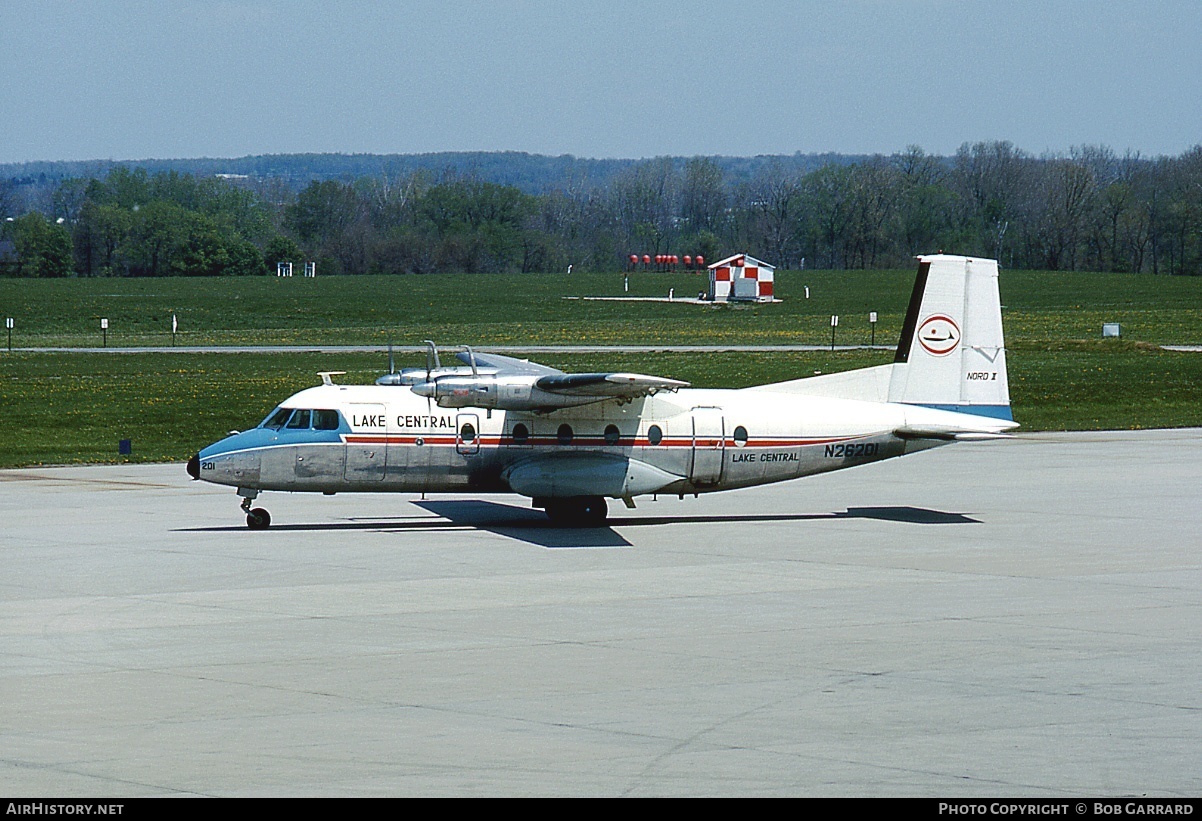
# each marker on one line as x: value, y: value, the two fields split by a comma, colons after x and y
x: 532, y: 526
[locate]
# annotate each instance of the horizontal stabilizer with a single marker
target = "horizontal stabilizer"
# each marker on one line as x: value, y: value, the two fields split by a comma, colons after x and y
x: 948, y: 434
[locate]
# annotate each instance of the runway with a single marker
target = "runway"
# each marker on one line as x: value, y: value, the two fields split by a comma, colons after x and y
x: 1018, y: 618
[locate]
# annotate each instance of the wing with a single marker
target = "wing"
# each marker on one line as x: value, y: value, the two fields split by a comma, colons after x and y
x: 581, y: 385
x: 505, y: 365
x: 507, y: 383
x: 603, y: 385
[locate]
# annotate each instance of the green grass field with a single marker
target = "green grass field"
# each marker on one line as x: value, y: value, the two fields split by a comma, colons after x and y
x: 495, y: 309
x: 74, y: 407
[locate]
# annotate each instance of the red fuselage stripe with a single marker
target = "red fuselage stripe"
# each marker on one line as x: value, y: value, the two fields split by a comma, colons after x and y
x: 675, y: 442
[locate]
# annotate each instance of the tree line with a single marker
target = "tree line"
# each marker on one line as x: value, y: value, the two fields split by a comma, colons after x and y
x: 1087, y: 209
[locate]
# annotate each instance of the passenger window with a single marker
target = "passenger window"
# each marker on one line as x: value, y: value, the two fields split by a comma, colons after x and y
x: 612, y: 434
x: 564, y: 434
x: 467, y: 433
x: 740, y: 436
x: 655, y: 435
x: 299, y: 420
x: 521, y: 433
x: 325, y: 420
x: 277, y: 418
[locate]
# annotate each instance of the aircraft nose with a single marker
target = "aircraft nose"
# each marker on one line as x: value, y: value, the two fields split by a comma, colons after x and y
x: 194, y: 466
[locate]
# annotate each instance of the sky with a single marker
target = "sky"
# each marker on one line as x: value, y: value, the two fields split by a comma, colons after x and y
x: 130, y: 79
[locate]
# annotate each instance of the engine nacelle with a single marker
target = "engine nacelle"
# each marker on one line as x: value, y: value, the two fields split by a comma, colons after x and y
x: 557, y: 476
x: 419, y: 376
x: 511, y: 393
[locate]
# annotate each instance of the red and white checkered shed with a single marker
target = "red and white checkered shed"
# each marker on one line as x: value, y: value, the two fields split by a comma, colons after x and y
x: 740, y: 266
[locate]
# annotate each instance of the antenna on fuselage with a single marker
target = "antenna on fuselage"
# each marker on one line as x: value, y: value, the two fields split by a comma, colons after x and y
x: 327, y: 376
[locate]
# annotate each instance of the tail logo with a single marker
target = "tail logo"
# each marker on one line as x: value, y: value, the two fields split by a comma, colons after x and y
x: 939, y: 335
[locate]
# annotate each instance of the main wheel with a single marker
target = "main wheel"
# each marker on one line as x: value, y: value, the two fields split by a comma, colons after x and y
x: 258, y: 519
x: 578, y: 511
x: 593, y: 511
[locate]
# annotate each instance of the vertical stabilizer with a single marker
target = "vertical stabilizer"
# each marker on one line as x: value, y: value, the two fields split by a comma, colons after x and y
x: 952, y: 355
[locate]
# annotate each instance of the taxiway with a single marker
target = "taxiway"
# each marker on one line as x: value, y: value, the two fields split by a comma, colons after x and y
x: 998, y: 619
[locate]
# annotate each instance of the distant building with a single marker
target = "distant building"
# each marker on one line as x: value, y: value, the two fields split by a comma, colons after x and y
x: 240, y: 180
x: 741, y: 277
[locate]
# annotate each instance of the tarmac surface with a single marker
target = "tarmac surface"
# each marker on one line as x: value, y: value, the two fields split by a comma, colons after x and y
x: 1017, y: 618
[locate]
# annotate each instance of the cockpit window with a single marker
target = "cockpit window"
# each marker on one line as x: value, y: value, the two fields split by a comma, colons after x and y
x: 325, y: 420
x: 299, y: 420
x: 276, y: 419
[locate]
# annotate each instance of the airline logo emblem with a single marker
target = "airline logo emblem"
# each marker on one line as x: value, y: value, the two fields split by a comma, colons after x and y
x: 939, y: 335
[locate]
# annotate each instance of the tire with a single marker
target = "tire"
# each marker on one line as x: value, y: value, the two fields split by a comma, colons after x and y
x: 258, y: 519
x: 593, y: 511
x: 578, y: 511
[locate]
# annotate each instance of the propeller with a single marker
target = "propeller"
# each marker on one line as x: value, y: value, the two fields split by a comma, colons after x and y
x: 432, y: 363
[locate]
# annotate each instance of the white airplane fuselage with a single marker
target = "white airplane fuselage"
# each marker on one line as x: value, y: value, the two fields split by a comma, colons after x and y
x: 696, y: 441
x: 570, y: 441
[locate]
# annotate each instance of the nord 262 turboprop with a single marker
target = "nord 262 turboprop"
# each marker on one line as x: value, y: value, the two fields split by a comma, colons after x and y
x: 571, y: 441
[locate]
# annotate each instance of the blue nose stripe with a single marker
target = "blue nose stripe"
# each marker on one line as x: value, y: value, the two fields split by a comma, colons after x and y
x: 265, y: 438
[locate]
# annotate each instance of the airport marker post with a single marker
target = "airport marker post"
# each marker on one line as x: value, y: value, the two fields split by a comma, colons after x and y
x: 834, y: 324
x: 8, y: 322
x: 174, y: 328
x: 104, y: 329
x: 872, y: 324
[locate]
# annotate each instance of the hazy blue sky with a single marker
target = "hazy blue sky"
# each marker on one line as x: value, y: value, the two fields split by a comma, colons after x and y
x: 606, y: 78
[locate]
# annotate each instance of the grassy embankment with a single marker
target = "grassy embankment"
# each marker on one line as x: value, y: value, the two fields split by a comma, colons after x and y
x: 71, y: 408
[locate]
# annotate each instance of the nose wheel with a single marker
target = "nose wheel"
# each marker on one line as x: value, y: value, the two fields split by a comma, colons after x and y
x: 256, y: 519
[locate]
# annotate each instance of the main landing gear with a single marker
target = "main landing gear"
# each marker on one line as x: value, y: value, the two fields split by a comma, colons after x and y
x: 577, y: 511
x: 257, y: 519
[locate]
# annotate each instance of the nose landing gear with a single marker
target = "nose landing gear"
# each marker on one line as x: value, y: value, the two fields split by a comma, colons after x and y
x: 256, y: 519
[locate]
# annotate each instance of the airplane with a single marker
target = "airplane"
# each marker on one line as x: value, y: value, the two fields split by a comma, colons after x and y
x: 569, y: 442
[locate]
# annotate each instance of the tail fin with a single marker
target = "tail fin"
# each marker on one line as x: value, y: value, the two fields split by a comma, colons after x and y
x: 952, y: 355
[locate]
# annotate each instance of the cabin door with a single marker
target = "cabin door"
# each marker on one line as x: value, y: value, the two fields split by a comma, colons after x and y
x: 467, y: 433
x: 709, y: 446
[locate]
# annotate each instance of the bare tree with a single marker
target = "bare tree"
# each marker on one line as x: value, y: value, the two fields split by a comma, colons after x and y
x: 8, y: 199
x: 925, y: 203
x: 702, y: 197
x: 1067, y: 194
x: 992, y: 180
x: 772, y: 205
x: 644, y: 199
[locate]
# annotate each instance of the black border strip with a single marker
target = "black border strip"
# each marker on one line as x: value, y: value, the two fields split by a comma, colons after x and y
x: 911, y: 324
